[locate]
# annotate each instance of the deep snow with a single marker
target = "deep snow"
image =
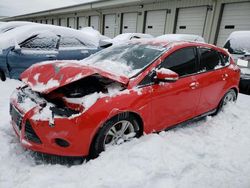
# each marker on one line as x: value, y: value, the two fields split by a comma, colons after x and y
x: 214, y: 152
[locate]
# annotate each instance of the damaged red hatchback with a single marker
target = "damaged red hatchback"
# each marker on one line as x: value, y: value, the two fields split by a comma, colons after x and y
x: 79, y: 108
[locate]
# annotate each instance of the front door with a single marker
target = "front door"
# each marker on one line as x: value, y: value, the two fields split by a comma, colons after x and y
x: 34, y: 50
x: 176, y: 102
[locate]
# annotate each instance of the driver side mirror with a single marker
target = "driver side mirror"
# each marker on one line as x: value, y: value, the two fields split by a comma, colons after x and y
x: 17, y: 49
x: 166, y: 75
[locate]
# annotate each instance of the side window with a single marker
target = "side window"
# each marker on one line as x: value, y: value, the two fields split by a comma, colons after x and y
x: 209, y: 59
x: 69, y: 42
x: 182, y: 61
x: 40, y: 42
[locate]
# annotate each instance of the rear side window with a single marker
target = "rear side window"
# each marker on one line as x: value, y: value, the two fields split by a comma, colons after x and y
x: 182, y: 61
x: 209, y: 60
x: 69, y: 42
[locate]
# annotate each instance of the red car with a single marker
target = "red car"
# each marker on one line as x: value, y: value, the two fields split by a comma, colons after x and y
x: 79, y: 108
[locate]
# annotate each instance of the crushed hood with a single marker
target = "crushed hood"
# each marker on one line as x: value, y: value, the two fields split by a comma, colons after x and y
x: 48, y: 76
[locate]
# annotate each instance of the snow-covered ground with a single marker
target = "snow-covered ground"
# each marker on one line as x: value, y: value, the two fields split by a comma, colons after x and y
x: 214, y: 152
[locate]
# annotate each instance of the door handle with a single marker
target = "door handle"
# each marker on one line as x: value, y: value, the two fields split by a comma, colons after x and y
x: 50, y: 56
x: 194, y: 85
x: 224, y: 76
x: 84, y: 51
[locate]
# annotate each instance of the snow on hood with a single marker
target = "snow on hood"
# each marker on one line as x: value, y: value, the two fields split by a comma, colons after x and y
x: 20, y: 34
x: 240, y: 40
x: 47, y: 76
x: 181, y: 37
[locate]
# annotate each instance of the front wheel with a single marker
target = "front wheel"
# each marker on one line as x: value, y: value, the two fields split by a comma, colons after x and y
x: 119, y: 129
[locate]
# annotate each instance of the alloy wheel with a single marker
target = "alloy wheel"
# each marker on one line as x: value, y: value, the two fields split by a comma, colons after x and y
x: 119, y: 133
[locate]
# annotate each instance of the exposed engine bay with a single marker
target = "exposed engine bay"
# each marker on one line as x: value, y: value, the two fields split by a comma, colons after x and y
x: 55, y: 100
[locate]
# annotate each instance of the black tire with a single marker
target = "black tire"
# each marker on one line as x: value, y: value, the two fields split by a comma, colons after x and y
x: 224, y: 101
x: 2, y: 75
x: 100, y: 140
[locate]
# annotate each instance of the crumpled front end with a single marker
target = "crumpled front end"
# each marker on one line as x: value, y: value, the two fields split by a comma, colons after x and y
x: 44, y: 127
x: 58, y: 122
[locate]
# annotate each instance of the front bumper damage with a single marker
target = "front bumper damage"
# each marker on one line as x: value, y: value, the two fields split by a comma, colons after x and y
x: 56, y: 135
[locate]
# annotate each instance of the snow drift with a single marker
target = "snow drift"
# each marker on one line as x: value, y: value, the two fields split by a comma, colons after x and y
x: 213, y: 152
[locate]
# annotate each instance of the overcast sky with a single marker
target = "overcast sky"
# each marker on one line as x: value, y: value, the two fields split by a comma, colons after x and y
x: 17, y: 7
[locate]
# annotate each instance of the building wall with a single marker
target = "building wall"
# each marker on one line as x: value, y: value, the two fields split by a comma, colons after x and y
x: 172, y: 7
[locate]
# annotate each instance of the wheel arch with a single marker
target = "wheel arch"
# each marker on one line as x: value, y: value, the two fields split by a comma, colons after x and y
x: 121, y: 114
x: 2, y: 75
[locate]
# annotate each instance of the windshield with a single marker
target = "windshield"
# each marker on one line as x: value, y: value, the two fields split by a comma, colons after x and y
x: 127, y: 59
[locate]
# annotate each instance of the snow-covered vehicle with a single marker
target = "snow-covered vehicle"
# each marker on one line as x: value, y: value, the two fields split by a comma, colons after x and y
x: 126, y: 37
x: 25, y: 45
x: 181, y: 37
x: 83, y: 107
x: 238, y: 44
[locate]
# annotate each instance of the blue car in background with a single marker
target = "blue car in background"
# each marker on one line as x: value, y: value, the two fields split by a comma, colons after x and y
x: 25, y: 45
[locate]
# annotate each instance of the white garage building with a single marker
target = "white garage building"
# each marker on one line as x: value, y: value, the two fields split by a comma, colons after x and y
x: 212, y: 19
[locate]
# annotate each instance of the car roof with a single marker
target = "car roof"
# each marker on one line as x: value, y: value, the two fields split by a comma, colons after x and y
x: 22, y: 33
x: 13, y: 24
x: 179, y: 37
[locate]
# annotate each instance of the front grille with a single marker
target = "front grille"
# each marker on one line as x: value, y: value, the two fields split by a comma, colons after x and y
x: 30, y: 134
x: 16, y: 116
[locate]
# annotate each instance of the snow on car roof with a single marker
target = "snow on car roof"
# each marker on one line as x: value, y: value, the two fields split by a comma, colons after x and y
x: 13, y: 24
x: 239, y: 40
x: 94, y: 32
x: 20, y: 34
x: 179, y: 37
x: 128, y: 36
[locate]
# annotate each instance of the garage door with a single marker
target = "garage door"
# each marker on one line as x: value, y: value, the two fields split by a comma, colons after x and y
x: 95, y: 22
x: 191, y: 20
x: 71, y: 23
x: 63, y: 22
x: 155, y: 22
x: 235, y: 17
x: 109, y: 25
x: 55, y: 21
x: 129, y: 22
x: 82, y: 22
x: 49, y: 21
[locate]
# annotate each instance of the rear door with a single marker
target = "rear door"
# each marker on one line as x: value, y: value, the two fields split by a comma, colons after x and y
x: 176, y: 102
x: 212, y: 79
x: 35, y: 49
x: 70, y: 48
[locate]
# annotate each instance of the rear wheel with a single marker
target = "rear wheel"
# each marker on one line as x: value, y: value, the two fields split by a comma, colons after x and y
x: 229, y: 97
x: 119, y: 129
x: 2, y: 75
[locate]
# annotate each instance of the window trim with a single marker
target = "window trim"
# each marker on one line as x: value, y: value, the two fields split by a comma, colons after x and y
x: 196, y: 48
